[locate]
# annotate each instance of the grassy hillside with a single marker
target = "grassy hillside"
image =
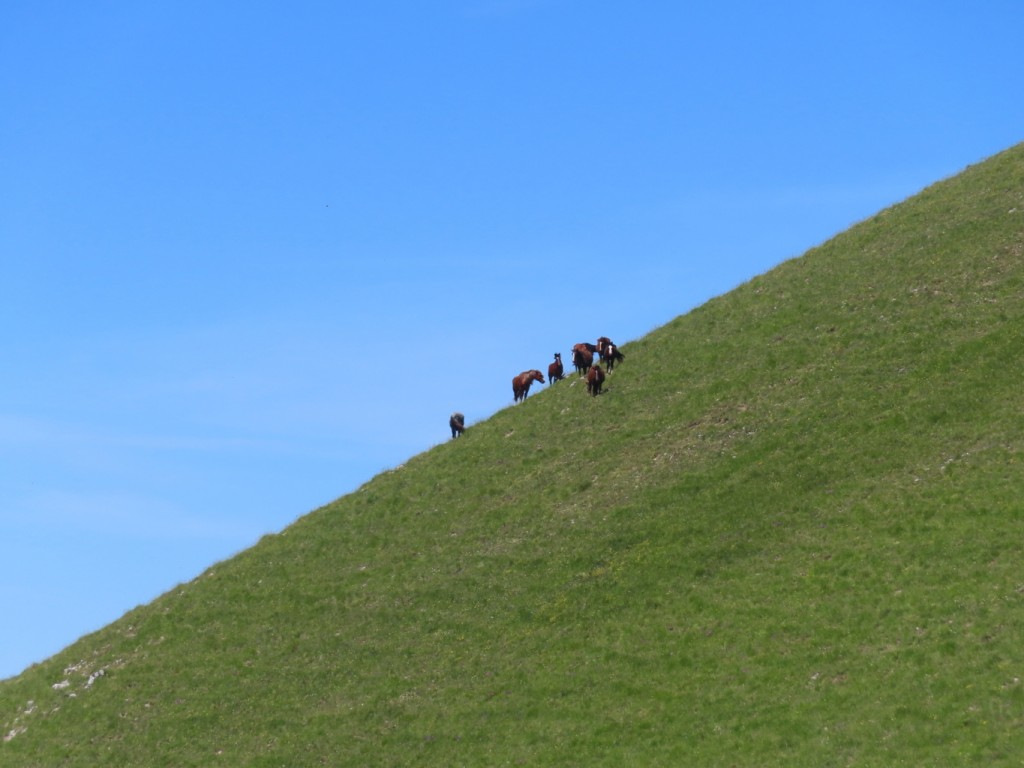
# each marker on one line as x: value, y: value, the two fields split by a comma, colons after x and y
x: 789, y: 534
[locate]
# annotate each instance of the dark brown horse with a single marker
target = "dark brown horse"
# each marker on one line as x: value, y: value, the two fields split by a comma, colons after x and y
x: 521, y: 383
x: 611, y: 355
x: 585, y: 347
x: 458, y: 424
x: 595, y: 380
x: 582, y: 358
x: 555, y: 369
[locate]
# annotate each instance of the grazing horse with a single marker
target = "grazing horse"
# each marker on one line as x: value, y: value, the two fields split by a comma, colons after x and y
x: 555, y: 369
x: 582, y: 358
x: 458, y: 424
x: 521, y: 383
x: 595, y: 379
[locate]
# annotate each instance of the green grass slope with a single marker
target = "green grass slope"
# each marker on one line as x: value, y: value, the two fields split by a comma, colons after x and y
x: 789, y: 533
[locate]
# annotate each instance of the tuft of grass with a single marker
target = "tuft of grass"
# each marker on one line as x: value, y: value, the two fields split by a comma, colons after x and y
x: 787, y: 534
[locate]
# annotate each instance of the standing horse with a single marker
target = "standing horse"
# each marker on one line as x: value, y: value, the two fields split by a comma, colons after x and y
x: 458, y: 424
x: 521, y: 383
x: 582, y: 358
x: 611, y: 355
x: 595, y: 379
x: 555, y: 369
x: 585, y: 347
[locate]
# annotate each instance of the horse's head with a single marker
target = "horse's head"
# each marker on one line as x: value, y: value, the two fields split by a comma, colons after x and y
x: 537, y: 376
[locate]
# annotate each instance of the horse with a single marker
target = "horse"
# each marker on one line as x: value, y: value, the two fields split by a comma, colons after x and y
x: 521, y: 383
x: 582, y: 358
x: 595, y: 379
x: 555, y: 369
x: 458, y: 424
x: 611, y: 355
x: 585, y: 347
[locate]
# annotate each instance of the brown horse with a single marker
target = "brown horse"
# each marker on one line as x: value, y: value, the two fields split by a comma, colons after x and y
x: 585, y: 347
x: 582, y: 358
x: 521, y: 383
x: 555, y: 369
x: 595, y: 380
x: 611, y: 355
x: 458, y: 424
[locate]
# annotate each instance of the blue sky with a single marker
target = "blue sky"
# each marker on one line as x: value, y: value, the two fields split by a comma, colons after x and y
x: 252, y: 254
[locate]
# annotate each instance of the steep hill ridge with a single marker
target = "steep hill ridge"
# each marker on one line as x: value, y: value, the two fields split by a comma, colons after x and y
x: 787, y: 534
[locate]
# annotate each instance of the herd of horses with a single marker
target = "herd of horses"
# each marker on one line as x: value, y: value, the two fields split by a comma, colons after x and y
x: 582, y: 359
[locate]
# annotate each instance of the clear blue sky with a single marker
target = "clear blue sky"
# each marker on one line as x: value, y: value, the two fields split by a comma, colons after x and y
x: 254, y: 253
